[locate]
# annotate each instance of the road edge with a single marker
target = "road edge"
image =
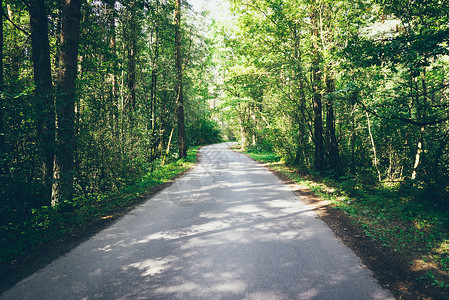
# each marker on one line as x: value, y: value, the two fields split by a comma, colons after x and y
x: 389, y: 268
x: 46, y: 255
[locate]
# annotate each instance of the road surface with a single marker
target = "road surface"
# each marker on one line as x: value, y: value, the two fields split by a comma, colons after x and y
x: 229, y: 229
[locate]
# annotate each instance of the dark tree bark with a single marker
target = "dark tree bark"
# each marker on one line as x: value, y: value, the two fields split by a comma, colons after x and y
x: 65, y: 101
x: 317, y: 97
x: 155, y: 65
x: 154, y: 82
x: 110, y: 7
x: 131, y: 38
x: 300, y: 98
x: 132, y: 69
x: 353, y: 101
x: 153, y: 94
x: 2, y: 128
x: 112, y: 63
x: 333, y: 155
x: 180, y: 97
x: 44, y: 101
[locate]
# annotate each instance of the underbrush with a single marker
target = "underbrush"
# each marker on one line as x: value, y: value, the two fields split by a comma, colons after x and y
x: 50, y: 224
x: 402, y: 218
x: 263, y: 156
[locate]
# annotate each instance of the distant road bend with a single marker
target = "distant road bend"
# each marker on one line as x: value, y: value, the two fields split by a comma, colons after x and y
x: 229, y: 229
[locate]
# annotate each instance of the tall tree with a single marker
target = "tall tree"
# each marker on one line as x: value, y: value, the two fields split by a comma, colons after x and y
x: 412, y: 53
x: 131, y: 37
x: 316, y: 75
x: 155, y: 64
x: 65, y: 101
x: 332, y: 152
x: 44, y: 103
x: 110, y: 7
x: 2, y: 128
x: 179, y: 86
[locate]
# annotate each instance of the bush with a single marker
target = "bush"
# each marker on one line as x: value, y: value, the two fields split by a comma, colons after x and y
x: 203, y: 132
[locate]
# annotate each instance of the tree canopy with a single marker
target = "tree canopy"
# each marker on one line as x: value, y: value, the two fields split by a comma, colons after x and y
x: 93, y: 93
x: 341, y: 87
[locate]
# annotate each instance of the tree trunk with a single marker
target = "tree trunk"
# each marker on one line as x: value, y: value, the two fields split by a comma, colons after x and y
x: 180, y: 97
x: 44, y: 103
x: 154, y: 75
x: 155, y: 67
x: 333, y: 155
x: 419, y: 153
x: 318, y: 131
x: 110, y: 7
x: 2, y: 103
x: 253, y: 125
x: 153, y: 96
x: 242, y: 135
x: 132, y: 53
x: 353, y: 102
x: 65, y: 102
x: 375, y: 160
x: 167, y: 151
x: 422, y: 113
x: 300, y: 97
x: 316, y: 97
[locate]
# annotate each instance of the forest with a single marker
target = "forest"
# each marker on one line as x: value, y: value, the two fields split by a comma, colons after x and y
x: 343, y: 87
x: 349, y: 98
x: 96, y: 95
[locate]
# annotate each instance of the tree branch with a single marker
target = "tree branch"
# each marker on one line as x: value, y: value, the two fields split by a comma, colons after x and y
x: 406, y: 120
x: 15, y: 26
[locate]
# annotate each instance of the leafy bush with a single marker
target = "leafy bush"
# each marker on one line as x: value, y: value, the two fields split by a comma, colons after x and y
x: 203, y: 132
x: 29, y: 230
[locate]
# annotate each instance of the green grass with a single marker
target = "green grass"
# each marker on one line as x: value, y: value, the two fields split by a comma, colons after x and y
x: 402, y: 218
x: 260, y: 154
x: 52, y: 224
x: 265, y: 157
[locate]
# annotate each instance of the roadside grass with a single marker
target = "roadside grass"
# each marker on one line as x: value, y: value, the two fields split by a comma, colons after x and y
x: 48, y: 225
x: 401, y: 218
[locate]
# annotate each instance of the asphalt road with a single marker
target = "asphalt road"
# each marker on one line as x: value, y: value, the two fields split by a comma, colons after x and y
x: 229, y: 229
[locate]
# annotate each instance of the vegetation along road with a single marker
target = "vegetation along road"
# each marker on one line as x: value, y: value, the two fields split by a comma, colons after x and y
x: 104, y: 103
x: 229, y: 229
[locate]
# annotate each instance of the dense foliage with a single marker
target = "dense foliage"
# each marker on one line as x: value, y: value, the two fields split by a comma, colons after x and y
x: 343, y: 87
x: 90, y: 101
x: 353, y: 94
x: 94, y: 94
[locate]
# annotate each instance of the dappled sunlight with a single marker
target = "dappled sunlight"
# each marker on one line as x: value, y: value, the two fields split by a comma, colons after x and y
x: 232, y: 286
x: 245, y: 209
x: 242, y: 223
x: 253, y: 216
x: 97, y: 272
x: 209, y: 227
x: 266, y: 295
x: 287, y: 207
x: 289, y: 235
x: 245, y: 236
x: 210, y: 215
x: 443, y: 248
x: 309, y: 294
x: 106, y: 248
x: 236, y: 235
x: 179, y: 288
x: 151, y: 267
x: 337, y: 278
